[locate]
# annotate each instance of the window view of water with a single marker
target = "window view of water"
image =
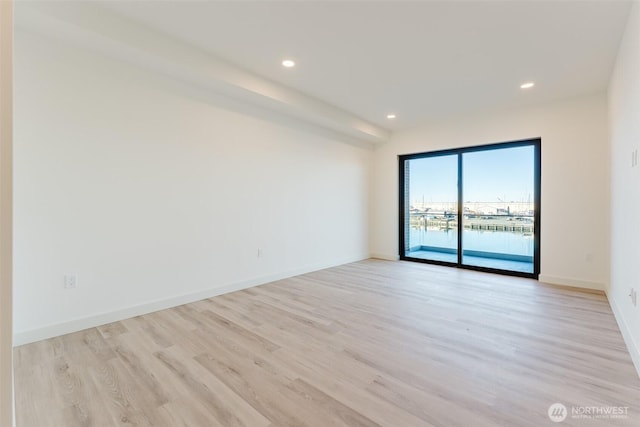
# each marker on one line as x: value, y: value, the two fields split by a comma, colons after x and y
x: 495, y: 190
x: 501, y: 242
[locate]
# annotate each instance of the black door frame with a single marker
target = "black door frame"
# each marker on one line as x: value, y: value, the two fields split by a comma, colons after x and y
x: 535, y: 142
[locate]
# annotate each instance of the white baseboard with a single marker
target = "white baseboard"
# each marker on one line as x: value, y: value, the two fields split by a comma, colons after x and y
x: 575, y: 283
x: 632, y: 345
x: 74, y: 325
x: 385, y: 257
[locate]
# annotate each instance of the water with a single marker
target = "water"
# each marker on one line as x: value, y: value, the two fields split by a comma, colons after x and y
x: 504, y: 242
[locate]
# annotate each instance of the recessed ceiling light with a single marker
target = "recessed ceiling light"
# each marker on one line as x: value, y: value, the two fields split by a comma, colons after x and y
x: 391, y: 116
x: 288, y: 63
x: 527, y: 85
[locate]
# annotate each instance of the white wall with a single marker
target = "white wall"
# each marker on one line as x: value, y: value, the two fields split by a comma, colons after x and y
x: 6, y: 225
x: 624, y: 122
x: 154, y: 195
x: 575, y: 176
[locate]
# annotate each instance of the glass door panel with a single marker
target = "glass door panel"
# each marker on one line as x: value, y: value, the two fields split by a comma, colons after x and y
x: 431, y: 201
x: 498, y: 188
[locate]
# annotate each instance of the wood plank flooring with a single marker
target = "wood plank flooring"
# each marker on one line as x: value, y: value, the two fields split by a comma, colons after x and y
x: 373, y: 343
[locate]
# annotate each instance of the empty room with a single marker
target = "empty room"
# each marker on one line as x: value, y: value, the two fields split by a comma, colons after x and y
x: 319, y: 213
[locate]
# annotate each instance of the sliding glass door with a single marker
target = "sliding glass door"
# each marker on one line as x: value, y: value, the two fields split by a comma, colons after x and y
x: 432, y: 214
x: 498, y: 210
x: 475, y: 207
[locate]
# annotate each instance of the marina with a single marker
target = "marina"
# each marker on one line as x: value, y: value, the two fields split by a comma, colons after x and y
x: 519, y: 224
x: 499, y: 237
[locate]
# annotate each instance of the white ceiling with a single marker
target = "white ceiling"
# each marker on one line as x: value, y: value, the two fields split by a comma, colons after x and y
x: 420, y: 60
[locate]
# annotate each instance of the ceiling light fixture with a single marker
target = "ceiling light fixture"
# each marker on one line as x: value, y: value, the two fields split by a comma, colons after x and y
x: 288, y: 63
x: 527, y: 85
x: 391, y: 116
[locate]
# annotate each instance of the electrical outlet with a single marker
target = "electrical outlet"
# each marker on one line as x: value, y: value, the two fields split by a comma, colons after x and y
x: 70, y: 281
x: 259, y: 252
x: 633, y: 295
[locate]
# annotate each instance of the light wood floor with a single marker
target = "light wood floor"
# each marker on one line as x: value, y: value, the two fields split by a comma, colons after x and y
x: 372, y: 343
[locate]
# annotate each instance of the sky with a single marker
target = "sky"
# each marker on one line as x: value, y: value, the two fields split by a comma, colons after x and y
x: 503, y: 175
